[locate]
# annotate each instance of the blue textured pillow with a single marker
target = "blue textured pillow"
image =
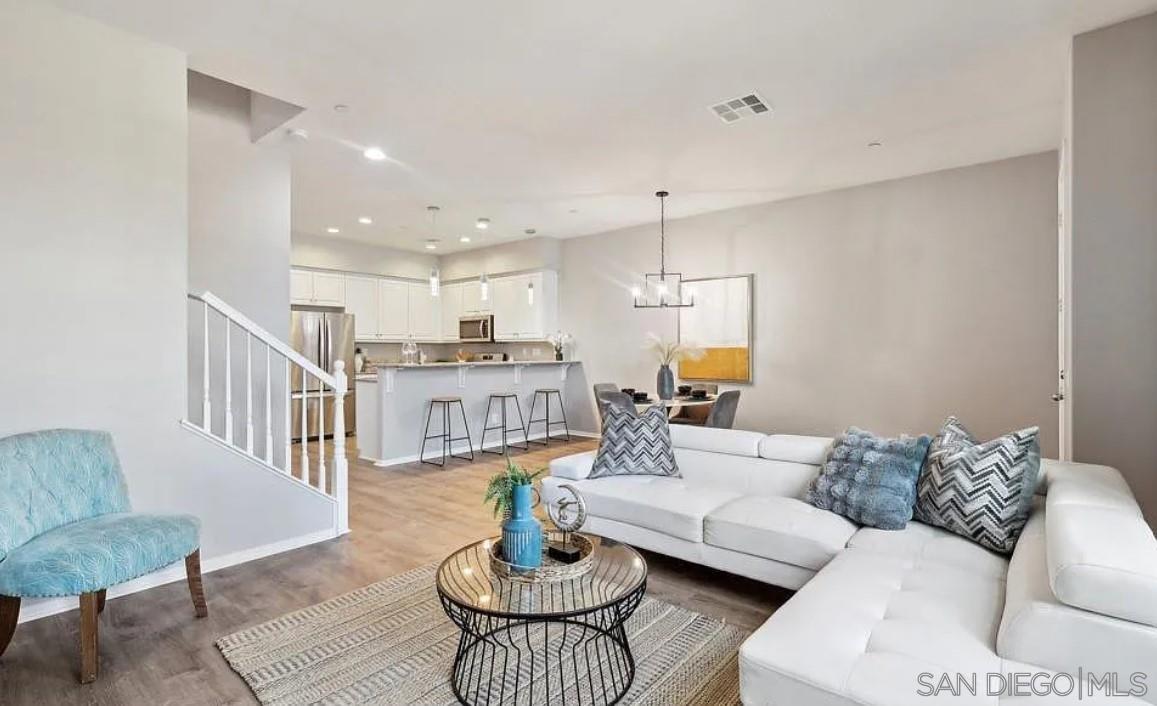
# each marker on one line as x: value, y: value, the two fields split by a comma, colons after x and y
x: 870, y: 479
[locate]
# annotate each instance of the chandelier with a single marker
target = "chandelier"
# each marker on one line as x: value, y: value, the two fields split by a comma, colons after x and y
x: 662, y: 289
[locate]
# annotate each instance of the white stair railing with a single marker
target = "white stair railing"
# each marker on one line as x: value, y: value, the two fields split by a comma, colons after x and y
x: 331, y: 480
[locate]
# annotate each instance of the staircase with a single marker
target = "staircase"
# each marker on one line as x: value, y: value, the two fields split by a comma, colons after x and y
x: 227, y: 351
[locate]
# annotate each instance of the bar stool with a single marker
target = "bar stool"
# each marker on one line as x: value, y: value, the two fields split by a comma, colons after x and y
x: 446, y: 434
x: 547, y: 394
x: 503, y: 398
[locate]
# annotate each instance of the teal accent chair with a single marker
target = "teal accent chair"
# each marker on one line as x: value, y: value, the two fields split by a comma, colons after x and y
x: 66, y: 529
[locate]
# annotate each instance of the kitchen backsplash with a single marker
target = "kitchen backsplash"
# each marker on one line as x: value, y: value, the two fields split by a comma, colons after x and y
x: 392, y: 352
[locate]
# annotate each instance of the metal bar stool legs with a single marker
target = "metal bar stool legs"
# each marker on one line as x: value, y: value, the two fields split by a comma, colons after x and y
x: 547, y: 395
x: 502, y: 398
x: 446, y: 435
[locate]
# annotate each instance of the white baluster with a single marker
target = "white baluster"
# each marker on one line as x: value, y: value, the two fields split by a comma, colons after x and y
x: 288, y: 460
x: 206, y: 403
x: 228, y: 381
x: 321, y: 436
x: 340, y: 464
x: 268, y: 409
x: 249, y: 393
x: 304, y: 426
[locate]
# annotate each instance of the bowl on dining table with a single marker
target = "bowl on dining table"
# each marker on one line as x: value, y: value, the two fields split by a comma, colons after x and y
x: 699, y: 394
x: 684, y: 390
x: 642, y: 396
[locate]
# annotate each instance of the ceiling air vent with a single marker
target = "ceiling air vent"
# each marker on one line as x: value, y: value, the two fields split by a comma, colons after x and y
x: 744, y: 107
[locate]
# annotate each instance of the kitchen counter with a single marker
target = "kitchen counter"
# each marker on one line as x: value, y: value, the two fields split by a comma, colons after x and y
x: 393, y: 404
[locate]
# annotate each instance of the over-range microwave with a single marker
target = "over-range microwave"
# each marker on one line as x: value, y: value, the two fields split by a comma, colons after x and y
x: 476, y: 329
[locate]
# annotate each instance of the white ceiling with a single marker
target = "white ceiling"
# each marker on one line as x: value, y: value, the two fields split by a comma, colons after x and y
x: 566, y: 117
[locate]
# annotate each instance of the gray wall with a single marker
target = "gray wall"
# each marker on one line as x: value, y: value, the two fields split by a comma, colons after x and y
x: 94, y: 224
x: 1114, y: 259
x: 887, y: 306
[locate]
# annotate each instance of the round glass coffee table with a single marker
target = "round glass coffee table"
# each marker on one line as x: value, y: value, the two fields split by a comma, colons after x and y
x: 542, y: 643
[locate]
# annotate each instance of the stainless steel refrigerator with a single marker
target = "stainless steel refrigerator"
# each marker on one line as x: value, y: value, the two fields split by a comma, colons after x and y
x: 322, y: 338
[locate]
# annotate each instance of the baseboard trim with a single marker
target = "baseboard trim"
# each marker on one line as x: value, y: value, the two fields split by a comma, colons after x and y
x: 462, y: 449
x: 36, y: 608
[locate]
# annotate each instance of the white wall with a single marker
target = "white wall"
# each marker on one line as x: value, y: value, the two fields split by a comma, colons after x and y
x: 239, y: 206
x: 1114, y: 259
x: 93, y: 229
x: 886, y: 306
x: 520, y: 255
x: 239, y: 214
x: 354, y: 256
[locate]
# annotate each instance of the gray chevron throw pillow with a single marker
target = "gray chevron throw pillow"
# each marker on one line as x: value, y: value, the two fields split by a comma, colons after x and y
x: 980, y: 491
x: 635, y: 446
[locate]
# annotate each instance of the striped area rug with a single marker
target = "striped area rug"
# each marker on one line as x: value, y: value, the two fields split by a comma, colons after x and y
x: 391, y: 643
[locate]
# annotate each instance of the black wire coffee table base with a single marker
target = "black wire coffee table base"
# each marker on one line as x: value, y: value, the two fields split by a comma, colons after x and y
x: 581, y: 658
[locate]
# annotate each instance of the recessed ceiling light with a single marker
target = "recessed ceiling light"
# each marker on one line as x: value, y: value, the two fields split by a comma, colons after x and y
x: 875, y: 144
x: 374, y: 153
x: 482, y: 223
x: 365, y: 220
x: 464, y: 239
x: 341, y: 107
x: 431, y: 244
x: 331, y: 229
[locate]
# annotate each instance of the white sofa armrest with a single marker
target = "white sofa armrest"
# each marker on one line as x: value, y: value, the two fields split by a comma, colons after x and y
x: 573, y: 467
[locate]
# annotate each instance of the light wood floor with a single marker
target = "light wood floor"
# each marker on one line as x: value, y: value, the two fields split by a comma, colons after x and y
x: 153, y: 650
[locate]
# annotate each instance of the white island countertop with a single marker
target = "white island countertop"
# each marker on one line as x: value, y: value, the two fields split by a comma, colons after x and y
x: 394, y: 409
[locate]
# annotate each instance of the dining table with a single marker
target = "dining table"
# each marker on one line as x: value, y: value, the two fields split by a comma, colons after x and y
x: 677, y: 403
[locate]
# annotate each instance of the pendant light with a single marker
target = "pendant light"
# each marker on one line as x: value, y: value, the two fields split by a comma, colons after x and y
x: 662, y: 289
x: 435, y: 275
x: 483, y: 287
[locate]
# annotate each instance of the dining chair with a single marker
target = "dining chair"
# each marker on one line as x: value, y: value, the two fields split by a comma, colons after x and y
x: 722, y: 414
x: 617, y: 399
x: 600, y: 388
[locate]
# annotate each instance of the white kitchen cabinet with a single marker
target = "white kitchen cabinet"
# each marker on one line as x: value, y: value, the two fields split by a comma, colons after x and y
x: 393, y: 310
x: 425, y: 313
x: 451, y: 310
x: 472, y: 302
x: 525, y: 306
x: 316, y: 288
x: 507, y: 312
x: 361, y: 300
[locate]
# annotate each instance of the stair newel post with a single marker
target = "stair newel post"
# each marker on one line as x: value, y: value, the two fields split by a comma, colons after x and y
x: 340, y: 463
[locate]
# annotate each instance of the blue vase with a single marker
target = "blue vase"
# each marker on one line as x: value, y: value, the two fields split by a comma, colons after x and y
x: 521, y: 533
x: 665, y: 382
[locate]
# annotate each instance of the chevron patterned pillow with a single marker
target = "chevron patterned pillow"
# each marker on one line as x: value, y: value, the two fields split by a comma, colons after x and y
x: 635, y: 446
x: 979, y: 491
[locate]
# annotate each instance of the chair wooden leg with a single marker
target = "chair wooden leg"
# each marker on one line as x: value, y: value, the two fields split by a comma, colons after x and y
x: 88, y: 637
x: 196, y: 589
x: 100, y: 596
x: 9, y: 612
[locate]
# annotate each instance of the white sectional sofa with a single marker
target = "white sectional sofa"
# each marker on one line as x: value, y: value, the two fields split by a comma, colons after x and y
x: 875, y: 610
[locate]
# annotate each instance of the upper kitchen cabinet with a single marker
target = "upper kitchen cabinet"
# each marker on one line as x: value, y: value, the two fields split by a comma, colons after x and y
x: 316, y: 288
x: 452, y: 310
x: 393, y: 310
x: 472, y: 301
x: 425, y: 313
x: 361, y: 300
x: 525, y: 306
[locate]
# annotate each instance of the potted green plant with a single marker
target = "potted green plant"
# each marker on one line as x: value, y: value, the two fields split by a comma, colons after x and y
x: 512, y: 492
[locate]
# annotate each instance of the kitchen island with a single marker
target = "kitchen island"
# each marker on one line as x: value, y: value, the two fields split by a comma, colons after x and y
x: 392, y: 404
